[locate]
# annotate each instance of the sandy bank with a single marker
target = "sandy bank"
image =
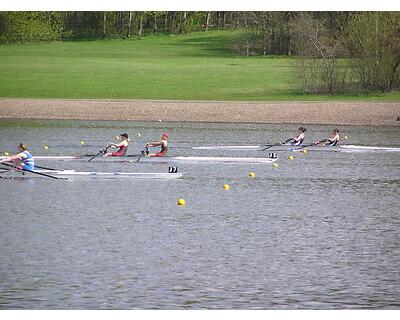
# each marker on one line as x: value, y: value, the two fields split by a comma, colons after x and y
x: 340, y: 113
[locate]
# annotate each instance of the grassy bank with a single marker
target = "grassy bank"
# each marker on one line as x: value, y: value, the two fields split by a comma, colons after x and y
x: 200, y: 66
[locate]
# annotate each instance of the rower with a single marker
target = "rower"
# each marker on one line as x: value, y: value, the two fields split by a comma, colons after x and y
x: 122, y: 147
x: 23, y: 159
x: 298, y: 139
x: 332, y: 141
x: 163, y: 143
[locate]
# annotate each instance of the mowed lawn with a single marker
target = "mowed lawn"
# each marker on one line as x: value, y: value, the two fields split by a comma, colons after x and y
x: 198, y: 66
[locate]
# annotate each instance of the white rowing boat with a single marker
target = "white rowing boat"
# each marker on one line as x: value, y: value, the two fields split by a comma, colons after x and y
x: 11, y: 174
x: 161, y: 159
x: 216, y: 159
x: 227, y: 147
x: 340, y: 148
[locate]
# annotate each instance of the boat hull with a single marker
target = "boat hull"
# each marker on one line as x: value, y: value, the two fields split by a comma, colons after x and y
x: 161, y: 159
x: 11, y: 174
x: 341, y: 148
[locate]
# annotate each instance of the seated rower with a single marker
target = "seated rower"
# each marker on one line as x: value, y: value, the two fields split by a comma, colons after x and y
x: 122, y: 147
x: 163, y: 143
x: 298, y: 139
x: 23, y: 160
x: 332, y: 141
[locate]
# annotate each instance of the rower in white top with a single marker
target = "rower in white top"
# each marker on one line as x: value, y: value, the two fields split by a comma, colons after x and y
x: 299, y: 138
x: 332, y: 141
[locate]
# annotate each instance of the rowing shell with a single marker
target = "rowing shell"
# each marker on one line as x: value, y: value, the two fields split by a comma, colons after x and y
x: 341, y: 148
x: 10, y: 174
x: 161, y: 159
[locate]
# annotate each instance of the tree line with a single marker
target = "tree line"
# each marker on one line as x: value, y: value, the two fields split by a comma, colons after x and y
x: 47, y: 26
x: 337, y: 52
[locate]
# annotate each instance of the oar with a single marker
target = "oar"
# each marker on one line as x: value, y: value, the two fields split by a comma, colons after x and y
x: 101, y: 151
x: 45, y: 168
x: 134, y: 155
x: 311, y: 144
x: 145, y: 150
x: 38, y: 173
x: 276, y: 144
x: 316, y: 143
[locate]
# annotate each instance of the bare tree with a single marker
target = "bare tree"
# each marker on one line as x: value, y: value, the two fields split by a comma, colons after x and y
x: 104, y: 23
x: 208, y: 17
x: 375, y: 47
x: 319, y: 51
x: 129, y: 24
x: 166, y: 21
x: 155, y: 22
x: 140, y: 31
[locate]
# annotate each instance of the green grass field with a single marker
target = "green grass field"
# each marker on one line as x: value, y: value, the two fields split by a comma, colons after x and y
x: 199, y: 66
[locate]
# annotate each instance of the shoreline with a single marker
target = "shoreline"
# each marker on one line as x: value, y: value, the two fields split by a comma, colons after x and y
x: 292, y: 112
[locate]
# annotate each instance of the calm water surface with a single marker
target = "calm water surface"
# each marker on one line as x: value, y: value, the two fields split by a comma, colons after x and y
x: 319, y: 232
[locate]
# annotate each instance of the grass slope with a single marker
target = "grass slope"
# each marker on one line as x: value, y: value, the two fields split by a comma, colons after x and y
x: 199, y: 66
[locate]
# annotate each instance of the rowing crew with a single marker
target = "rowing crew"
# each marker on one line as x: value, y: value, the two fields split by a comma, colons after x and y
x: 24, y: 159
x: 298, y: 139
x: 123, y: 147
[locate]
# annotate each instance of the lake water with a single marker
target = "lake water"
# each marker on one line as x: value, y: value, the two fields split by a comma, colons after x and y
x: 318, y: 232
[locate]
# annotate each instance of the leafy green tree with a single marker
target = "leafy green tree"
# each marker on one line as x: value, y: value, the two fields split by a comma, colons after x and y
x: 30, y: 26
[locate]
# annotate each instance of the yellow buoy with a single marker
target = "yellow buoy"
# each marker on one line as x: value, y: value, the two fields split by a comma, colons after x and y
x: 181, y: 202
x: 291, y: 157
x: 346, y: 137
x: 304, y: 151
x: 82, y: 142
x: 252, y: 175
x: 139, y: 135
x: 117, y: 138
x: 46, y: 147
x: 275, y: 165
x: 6, y: 153
x: 226, y: 187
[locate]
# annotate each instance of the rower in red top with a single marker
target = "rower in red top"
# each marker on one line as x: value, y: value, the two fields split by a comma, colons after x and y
x: 163, y: 143
x: 122, y: 147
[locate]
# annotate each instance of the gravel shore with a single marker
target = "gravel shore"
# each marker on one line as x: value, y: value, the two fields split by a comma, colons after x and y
x: 340, y: 113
